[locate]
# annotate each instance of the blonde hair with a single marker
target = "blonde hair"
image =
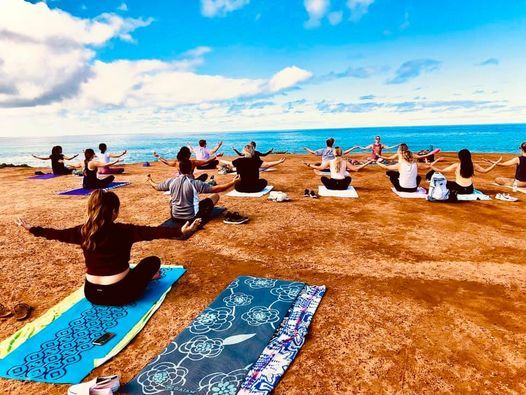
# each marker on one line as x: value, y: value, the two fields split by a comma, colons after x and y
x: 102, y: 206
x: 338, y: 158
x: 407, y: 155
x: 249, y: 151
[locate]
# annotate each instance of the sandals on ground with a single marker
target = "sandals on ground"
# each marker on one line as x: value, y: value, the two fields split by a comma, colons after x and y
x: 5, y: 312
x: 22, y: 311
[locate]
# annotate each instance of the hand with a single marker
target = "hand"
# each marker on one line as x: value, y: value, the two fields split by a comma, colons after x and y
x: 23, y: 223
x: 156, y: 155
x: 219, y: 155
x: 306, y: 164
x: 187, y: 228
x: 236, y: 178
x: 499, y: 160
x: 282, y: 160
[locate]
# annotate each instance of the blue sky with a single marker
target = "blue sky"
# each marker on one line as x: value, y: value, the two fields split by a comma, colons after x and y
x: 179, y: 65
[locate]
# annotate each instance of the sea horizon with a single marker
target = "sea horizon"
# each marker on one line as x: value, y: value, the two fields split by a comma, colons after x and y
x: 484, y: 138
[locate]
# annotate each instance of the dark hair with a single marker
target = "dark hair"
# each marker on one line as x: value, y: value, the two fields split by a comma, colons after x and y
x: 330, y: 142
x: 466, y: 164
x: 185, y: 166
x: 89, y: 154
x: 202, y: 143
x: 103, y: 147
x: 56, y: 150
x: 253, y: 144
x: 101, y: 207
x: 523, y: 147
x: 184, y: 154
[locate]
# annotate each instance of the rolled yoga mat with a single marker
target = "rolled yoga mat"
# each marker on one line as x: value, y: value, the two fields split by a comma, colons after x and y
x: 57, y: 348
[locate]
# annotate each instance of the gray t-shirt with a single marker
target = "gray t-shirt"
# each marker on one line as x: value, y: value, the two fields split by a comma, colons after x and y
x: 326, y: 153
x: 184, y: 195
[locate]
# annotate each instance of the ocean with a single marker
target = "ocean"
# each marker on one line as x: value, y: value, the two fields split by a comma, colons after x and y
x: 504, y: 138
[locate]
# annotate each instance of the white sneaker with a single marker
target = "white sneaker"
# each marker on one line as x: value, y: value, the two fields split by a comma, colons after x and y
x: 105, y: 385
x: 277, y: 196
x: 506, y: 197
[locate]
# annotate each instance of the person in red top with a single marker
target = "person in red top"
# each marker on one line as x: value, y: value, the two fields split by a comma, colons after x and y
x: 376, y: 148
x: 107, y: 245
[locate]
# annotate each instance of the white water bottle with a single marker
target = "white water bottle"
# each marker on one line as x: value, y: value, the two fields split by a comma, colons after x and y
x: 514, y: 186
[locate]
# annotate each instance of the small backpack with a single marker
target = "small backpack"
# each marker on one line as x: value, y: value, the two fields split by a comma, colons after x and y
x: 438, y: 188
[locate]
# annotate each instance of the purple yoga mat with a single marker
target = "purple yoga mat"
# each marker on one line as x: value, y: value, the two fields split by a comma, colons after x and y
x: 84, y: 191
x: 46, y: 176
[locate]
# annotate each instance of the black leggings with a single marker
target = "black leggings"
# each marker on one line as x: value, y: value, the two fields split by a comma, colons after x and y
x: 202, y: 177
x: 129, y: 289
x: 251, y: 187
x: 340, y: 185
x: 453, y: 186
x: 394, y: 176
x: 97, y: 183
x: 211, y: 165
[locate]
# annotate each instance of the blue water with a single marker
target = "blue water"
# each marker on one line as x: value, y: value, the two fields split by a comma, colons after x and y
x: 477, y: 138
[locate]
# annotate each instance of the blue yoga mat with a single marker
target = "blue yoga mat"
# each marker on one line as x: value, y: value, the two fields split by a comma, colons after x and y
x: 63, y: 351
x: 45, y: 176
x: 214, y: 354
x: 84, y: 191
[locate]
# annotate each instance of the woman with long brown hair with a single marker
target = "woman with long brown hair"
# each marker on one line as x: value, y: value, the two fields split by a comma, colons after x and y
x: 107, y: 245
x: 340, y: 178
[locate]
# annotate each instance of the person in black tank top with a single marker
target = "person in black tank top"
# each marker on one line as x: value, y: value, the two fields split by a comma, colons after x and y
x: 57, y: 161
x: 90, y: 180
x: 520, y: 169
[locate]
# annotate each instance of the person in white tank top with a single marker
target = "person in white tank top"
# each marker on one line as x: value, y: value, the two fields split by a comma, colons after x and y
x: 404, y: 174
x: 339, y: 167
x: 107, y: 157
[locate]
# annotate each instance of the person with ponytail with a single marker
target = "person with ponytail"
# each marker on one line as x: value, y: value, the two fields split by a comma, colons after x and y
x: 91, y: 166
x: 464, y: 171
x: 340, y: 178
x: 106, y: 157
x: 106, y: 245
x: 404, y: 174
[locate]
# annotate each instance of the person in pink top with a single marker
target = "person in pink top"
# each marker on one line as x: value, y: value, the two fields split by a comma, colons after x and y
x: 376, y: 148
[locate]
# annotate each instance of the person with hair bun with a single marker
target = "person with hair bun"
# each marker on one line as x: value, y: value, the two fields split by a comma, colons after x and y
x: 57, y: 161
x: 520, y: 169
x: 107, y: 245
x: 404, y: 174
x: 106, y: 157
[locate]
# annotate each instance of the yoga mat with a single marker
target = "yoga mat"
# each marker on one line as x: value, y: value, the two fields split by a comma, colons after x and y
x: 84, y: 191
x: 522, y: 190
x: 350, y: 192
x: 277, y: 356
x: 421, y: 193
x: 46, y: 176
x: 262, y: 170
x: 214, y: 354
x: 476, y: 195
x: 58, y: 349
x: 235, y: 193
x: 171, y: 223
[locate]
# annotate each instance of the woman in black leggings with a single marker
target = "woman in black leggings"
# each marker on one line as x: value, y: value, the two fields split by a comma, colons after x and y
x: 107, y: 245
x: 248, y: 170
x: 57, y: 161
x: 91, y: 167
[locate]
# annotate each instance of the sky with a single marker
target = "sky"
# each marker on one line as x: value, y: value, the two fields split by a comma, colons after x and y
x: 80, y: 67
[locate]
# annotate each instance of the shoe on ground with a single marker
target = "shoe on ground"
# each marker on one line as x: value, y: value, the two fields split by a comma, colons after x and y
x: 506, y: 197
x: 306, y: 193
x: 235, y: 218
x: 105, y: 385
x: 313, y: 195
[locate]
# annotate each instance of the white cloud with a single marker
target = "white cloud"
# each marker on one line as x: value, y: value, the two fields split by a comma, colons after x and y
x: 214, y: 8
x: 49, y: 61
x: 122, y: 7
x: 316, y: 10
x: 358, y: 8
x: 287, y: 78
x: 335, y: 17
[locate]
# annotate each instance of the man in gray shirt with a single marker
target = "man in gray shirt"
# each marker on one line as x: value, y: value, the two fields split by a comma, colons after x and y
x: 184, y: 194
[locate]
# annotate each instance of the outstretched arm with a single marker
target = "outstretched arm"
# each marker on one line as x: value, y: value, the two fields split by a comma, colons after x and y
x: 70, y: 157
x: 390, y: 167
x: 416, y: 156
x: 511, y: 162
x: 237, y: 152
x: 171, y: 163
x: 446, y: 169
x: 40, y: 157
x: 390, y: 146
x: 481, y: 169
x: 350, y: 150
x: 367, y: 147
x: 310, y: 151
x: 390, y: 157
x: 102, y: 164
x: 119, y: 155
x: 69, y: 235
x: 214, y: 150
x: 266, y: 165
x: 266, y: 153
x: 359, y: 167
x: 224, y: 187
x: 323, y: 166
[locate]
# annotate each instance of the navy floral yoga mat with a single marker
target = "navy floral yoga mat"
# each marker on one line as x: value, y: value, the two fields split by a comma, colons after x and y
x: 214, y: 354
